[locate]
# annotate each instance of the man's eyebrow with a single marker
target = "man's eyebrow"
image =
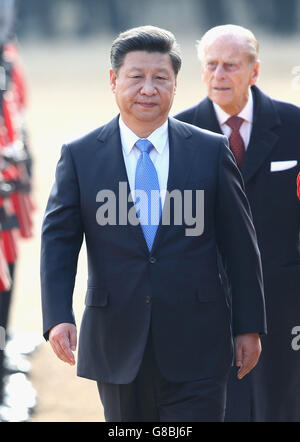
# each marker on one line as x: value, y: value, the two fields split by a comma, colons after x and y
x: 163, y: 70
x: 159, y: 70
x: 135, y: 69
x: 228, y: 60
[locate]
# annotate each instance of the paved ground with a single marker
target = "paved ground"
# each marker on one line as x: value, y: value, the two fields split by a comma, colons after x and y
x: 69, y: 95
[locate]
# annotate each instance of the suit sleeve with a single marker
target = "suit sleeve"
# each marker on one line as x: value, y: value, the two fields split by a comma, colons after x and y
x: 237, y: 243
x: 62, y: 236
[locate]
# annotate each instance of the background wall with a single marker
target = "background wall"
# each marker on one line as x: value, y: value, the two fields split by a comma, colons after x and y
x: 85, y: 17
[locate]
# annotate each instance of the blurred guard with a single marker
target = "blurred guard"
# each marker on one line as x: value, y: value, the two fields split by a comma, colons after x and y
x: 15, y: 169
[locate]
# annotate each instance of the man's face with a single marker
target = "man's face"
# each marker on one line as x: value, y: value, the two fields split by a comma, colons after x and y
x: 228, y: 73
x: 144, y: 88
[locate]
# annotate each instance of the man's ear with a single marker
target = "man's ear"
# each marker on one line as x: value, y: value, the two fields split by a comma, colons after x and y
x: 175, y: 87
x: 113, y: 79
x: 255, y: 73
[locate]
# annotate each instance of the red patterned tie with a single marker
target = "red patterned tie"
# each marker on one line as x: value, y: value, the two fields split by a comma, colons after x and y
x: 236, y: 141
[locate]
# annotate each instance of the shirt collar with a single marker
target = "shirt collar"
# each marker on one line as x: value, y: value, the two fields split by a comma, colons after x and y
x: 246, y: 113
x: 158, y: 138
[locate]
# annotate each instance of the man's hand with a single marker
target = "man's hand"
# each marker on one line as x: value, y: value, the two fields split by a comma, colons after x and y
x: 247, y: 352
x: 63, y: 339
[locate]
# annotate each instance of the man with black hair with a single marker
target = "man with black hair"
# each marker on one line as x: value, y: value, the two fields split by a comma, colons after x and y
x: 156, y: 332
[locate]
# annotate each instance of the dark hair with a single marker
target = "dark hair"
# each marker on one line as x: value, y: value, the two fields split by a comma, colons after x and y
x: 145, y: 38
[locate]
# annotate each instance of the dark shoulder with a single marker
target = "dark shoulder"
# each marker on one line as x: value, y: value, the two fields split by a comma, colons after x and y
x: 288, y: 112
x: 199, y: 133
x: 187, y: 114
x: 208, y: 144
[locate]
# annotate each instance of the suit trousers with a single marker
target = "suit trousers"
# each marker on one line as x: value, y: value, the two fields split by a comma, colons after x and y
x: 152, y: 398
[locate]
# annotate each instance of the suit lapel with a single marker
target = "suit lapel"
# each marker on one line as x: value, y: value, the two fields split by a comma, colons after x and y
x: 181, y: 155
x: 111, y: 153
x: 205, y: 117
x: 180, y: 163
x: 263, y: 138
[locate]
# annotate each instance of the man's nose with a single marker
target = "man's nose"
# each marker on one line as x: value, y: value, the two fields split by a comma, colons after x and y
x: 219, y: 72
x: 148, y: 88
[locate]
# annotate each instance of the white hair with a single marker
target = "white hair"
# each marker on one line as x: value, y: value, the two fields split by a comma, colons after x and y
x: 251, y: 44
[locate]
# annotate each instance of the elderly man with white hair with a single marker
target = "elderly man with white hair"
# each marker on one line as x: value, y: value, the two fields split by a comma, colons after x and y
x: 265, y: 140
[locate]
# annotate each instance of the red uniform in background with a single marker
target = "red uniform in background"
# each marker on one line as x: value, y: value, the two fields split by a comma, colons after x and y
x: 16, y: 208
x: 15, y: 173
x: 13, y: 108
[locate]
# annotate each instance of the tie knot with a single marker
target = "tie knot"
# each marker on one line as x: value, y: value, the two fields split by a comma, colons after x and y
x: 235, y: 122
x: 144, y: 145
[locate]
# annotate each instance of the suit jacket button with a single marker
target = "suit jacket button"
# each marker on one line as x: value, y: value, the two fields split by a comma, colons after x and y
x: 148, y: 299
x: 152, y: 260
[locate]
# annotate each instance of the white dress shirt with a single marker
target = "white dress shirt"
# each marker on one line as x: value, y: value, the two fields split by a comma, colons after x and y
x: 247, y: 115
x: 159, y: 155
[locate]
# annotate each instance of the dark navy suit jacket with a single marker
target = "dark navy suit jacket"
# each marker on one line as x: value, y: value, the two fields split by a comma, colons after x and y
x: 177, y: 286
x: 275, y: 383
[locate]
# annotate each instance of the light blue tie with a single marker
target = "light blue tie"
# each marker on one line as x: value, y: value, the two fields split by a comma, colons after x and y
x: 146, y: 180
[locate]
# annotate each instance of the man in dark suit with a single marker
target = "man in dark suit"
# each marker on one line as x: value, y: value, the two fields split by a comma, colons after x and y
x: 264, y: 136
x: 156, y: 332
